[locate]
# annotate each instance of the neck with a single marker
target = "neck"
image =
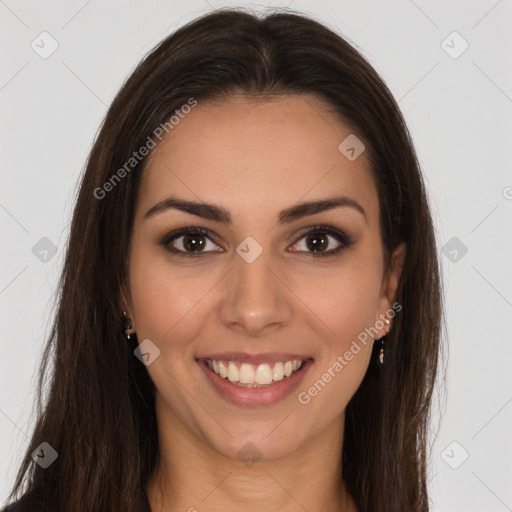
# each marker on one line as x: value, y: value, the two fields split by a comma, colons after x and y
x: 194, y: 477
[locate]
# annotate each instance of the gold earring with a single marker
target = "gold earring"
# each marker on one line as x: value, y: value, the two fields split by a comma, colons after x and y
x: 381, y: 353
x: 128, y: 327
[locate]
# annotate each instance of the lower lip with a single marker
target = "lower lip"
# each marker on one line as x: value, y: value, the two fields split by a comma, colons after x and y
x: 251, y: 397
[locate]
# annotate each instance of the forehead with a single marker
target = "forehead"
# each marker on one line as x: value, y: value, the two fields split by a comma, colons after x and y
x: 258, y: 155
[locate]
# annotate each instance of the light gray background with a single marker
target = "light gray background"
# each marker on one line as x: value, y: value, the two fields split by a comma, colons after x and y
x: 459, y: 111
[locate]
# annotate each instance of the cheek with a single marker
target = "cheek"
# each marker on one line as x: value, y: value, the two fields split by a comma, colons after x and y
x: 347, y: 304
x: 166, y: 306
x: 165, y: 301
x: 345, y: 352
x: 345, y: 301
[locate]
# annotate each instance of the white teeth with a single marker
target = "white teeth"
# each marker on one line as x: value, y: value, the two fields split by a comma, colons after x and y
x: 246, y: 374
x: 263, y: 374
x: 278, y: 372
x: 223, y: 371
x: 254, y: 376
x: 233, y: 374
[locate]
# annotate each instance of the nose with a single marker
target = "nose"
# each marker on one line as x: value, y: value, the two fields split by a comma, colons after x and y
x: 258, y: 300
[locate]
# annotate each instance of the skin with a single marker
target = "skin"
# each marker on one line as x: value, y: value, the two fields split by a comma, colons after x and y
x: 255, y: 157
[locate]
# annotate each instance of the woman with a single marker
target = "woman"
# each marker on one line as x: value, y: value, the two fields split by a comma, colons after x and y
x: 250, y: 306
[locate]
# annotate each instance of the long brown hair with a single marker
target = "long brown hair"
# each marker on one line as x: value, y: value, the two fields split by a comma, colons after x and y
x: 99, y: 411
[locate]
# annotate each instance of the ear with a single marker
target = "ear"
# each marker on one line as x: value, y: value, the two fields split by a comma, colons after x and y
x: 389, y: 286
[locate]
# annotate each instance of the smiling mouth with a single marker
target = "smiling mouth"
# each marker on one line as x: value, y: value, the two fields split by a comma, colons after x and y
x: 254, y: 376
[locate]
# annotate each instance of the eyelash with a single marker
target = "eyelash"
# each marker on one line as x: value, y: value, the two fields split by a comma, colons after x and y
x: 344, y: 240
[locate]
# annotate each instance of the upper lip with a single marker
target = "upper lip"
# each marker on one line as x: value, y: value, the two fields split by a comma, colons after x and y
x: 264, y: 357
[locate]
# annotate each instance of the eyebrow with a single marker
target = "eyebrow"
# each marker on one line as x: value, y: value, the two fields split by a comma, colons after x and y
x: 218, y: 214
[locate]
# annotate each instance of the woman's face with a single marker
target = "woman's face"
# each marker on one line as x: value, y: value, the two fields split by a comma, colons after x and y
x: 250, y: 294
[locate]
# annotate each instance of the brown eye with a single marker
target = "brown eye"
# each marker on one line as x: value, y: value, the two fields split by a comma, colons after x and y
x: 317, y: 240
x: 193, y: 242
